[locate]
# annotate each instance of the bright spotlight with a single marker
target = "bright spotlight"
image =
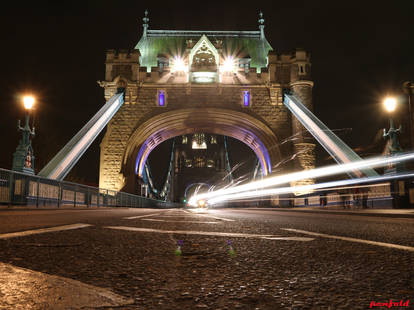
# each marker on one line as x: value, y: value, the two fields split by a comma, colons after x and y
x: 28, y: 102
x: 201, y: 203
x: 228, y: 65
x: 390, y: 104
x: 178, y: 65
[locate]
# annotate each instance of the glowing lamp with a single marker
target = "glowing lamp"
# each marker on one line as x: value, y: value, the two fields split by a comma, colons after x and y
x: 28, y: 102
x: 228, y: 65
x: 201, y: 203
x: 390, y: 104
x: 178, y: 65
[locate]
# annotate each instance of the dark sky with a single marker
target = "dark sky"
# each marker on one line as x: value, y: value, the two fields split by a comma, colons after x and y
x: 361, y: 51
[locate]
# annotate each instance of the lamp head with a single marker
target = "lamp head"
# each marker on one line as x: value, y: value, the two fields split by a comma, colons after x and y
x: 390, y: 104
x: 28, y: 102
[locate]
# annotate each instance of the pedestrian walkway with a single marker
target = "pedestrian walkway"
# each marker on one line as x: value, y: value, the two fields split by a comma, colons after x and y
x: 404, y: 213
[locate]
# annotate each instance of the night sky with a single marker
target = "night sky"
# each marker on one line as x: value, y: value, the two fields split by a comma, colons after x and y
x: 361, y: 51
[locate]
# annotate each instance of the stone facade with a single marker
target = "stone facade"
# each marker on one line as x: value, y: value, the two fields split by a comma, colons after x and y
x: 262, y: 122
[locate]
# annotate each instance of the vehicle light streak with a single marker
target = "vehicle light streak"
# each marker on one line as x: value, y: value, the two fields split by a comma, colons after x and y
x: 304, y: 174
x: 290, y: 189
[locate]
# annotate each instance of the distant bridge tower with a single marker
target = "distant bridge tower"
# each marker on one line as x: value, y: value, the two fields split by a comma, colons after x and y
x: 218, y: 82
x: 200, y: 161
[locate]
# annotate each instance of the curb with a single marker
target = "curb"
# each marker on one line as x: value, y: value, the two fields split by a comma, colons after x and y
x: 340, y: 212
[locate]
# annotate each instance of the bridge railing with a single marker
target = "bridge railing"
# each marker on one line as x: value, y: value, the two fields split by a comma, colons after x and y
x: 30, y: 190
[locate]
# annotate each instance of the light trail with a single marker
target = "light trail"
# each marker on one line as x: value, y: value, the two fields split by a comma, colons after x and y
x: 290, y: 189
x: 305, y: 174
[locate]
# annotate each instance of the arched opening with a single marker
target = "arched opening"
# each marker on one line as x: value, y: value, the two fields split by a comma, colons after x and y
x: 198, y: 162
x: 238, y: 125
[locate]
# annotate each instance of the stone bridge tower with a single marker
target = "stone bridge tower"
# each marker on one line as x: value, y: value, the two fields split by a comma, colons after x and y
x: 218, y: 82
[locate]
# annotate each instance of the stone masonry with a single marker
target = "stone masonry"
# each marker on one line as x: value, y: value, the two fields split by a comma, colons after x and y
x: 142, y: 85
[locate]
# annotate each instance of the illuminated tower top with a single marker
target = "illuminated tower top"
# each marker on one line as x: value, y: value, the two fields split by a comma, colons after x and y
x: 203, y: 51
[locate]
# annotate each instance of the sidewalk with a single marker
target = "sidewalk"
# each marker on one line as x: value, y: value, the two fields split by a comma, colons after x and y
x: 394, y: 213
x: 48, y: 207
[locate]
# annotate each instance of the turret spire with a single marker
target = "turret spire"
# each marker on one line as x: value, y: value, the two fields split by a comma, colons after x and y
x: 145, y: 24
x: 261, y: 25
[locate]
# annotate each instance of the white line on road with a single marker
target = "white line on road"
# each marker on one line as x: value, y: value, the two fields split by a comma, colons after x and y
x: 42, y: 230
x: 216, y: 218
x: 177, y: 215
x: 383, y: 244
x: 141, y: 216
x: 290, y: 238
x: 208, y: 215
x: 207, y: 233
x: 172, y: 221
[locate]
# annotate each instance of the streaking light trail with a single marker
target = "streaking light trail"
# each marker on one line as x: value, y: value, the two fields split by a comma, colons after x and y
x: 290, y: 189
x: 305, y: 174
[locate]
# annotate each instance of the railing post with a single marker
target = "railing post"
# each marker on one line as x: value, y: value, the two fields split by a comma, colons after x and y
x: 74, y: 197
x: 37, y: 191
x: 87, y: 197
x: 11, y: 189
x: 59, y: 194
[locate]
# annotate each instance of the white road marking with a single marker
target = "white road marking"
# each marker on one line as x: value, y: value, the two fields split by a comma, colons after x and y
x: 42, y: 231
x: 207, y: 233
x: 207, y: 214
x: 177, y: 215
x: 290, y: 238
x: 141, y: 216
x: 383, y: 244
x: 172, y: 221
x: 217, y: 218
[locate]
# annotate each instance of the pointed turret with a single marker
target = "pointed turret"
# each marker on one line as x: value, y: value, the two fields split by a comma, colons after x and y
x: 145, y: 24
x: 261, y: 25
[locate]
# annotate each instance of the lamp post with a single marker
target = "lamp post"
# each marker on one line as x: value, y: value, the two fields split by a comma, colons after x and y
x: 398, y: 187
x: 23, y: 158
x: 393, y: 145
x: 408, y: 88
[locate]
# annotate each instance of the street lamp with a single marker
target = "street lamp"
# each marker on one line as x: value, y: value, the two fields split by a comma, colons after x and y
x: 23, y: 158
x: 28, y: 102
x: 398, y: 187
x: 408, y: 88
x: 390, y: 104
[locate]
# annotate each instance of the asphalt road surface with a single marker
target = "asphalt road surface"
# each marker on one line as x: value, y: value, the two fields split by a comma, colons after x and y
x: 216, y: 259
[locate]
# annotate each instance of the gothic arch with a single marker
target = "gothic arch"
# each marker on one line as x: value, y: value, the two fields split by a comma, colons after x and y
x: 241, y: 126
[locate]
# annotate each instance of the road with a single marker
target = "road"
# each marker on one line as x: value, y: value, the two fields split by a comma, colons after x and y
x: 216, y: 259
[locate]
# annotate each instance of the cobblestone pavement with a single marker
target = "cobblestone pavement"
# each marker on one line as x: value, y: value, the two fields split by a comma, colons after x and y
x: 191, y: 266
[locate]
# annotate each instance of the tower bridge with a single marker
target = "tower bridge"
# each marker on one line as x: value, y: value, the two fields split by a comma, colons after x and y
x: 187, y: 83
x: 228, y: 83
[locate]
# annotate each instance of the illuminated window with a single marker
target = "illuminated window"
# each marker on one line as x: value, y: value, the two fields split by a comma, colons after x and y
x: 213, y: 140
x: 199, y: 141
x: 199, y: 162
x: 246, y: 98
x: 161, y: 98
x: 302, y: 69
x: 185, y: 140
x: 188, y: 163
x: 210, y: 163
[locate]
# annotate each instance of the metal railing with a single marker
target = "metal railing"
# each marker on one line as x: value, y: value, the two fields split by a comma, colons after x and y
x: 30, y: 190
